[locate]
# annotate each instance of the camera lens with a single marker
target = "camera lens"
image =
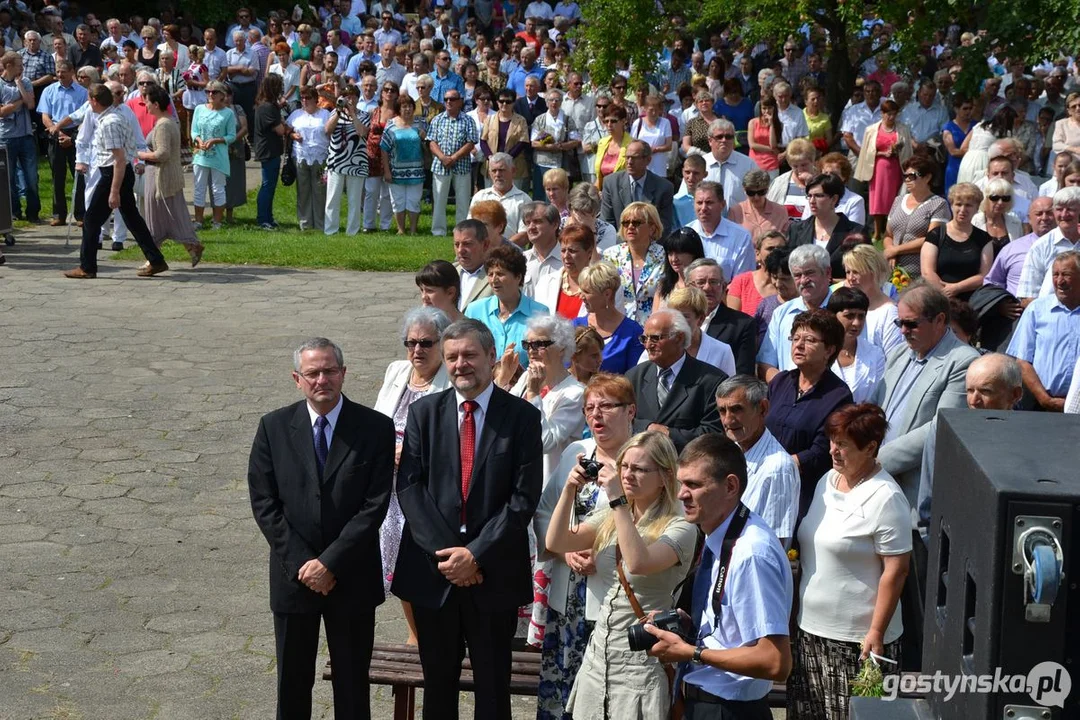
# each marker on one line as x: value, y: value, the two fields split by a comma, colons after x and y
x: 639, y: 639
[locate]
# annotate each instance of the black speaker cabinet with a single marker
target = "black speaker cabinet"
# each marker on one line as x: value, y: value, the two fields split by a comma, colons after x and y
x: 1000, y: 478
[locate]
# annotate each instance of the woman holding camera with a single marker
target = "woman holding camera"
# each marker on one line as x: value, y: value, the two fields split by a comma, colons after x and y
x: 346, y: 163
x: 642, y: 548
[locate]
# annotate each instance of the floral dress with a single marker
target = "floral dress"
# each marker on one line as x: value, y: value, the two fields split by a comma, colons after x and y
x: 637, y: 291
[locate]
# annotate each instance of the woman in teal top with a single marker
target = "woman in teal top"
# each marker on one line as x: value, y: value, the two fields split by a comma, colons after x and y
x: 403, y: 163
x: 506, y: 311
x: 213, y: 129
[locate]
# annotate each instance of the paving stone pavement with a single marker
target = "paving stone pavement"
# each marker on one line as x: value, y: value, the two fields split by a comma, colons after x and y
x: 132, y: 575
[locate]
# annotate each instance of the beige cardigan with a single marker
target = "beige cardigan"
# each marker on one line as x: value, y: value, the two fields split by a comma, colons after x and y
x: 864, y: 168
x: 165, y: 139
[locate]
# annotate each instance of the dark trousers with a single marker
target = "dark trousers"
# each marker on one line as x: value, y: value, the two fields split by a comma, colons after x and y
x: 443, y: 635
x: 913, y: 605
x: 62, y: 162
x: 350, y: 634
x: 98, y: 211
x: 727, y: 710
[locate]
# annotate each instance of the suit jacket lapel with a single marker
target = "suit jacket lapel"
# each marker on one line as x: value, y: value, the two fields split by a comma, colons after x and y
x: 477, y: 288
x: 453, y: 440
x: 677, y: 395
x: 304, y: 442
x: 649, y: 402
x: 487, y: 435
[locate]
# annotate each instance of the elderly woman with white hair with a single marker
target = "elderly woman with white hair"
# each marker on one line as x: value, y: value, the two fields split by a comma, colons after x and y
x: 584, y: 202
x: 996, y: 217
x: 405, y: 382
x: 555, y: 138
x: 546, y: 383
x: 213, y: 129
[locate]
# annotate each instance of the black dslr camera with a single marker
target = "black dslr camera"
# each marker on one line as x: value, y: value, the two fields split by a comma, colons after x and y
x: 591, y: 468
x: 671, y: 621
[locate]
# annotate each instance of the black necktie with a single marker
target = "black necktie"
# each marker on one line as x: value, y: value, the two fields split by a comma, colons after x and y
x: 322, y: 449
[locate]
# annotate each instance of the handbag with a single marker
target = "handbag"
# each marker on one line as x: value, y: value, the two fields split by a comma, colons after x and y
x: 288, y: 171
x: 676, y: 712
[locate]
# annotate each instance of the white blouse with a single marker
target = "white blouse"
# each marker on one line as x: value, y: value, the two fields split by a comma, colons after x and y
x: 866, y: 376
x: 314, y: 145
x: 881, y: 330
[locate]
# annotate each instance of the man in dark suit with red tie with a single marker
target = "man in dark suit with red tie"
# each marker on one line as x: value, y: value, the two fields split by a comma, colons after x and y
x: 320, y: 476
x: 469, y: 481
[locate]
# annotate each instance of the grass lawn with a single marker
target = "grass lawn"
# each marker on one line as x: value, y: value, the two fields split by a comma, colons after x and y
x: 243, y: 243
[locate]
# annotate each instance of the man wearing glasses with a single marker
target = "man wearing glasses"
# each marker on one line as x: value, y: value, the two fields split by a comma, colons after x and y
x: 637, y: 184
x: 320, y: 476
x: 387, y: 33
x: 723, y: 164
x: 676, y: 393
x: 243, y: 24
x: 445, y: 79
x: 452, y: 137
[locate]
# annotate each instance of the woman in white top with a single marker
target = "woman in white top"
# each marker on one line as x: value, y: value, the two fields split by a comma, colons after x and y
x: 575, y: 593
x: 548, y: 386
x: 311, y: 146
x: 866, y: 269
x: 976, y: 147
x: 861, y: 363
x: 289, y: 72
x: 996, y: 217
x: 655, y: 129
x: 855, y: 545
x: 789, y: 189
x: 405, y: 382
x: 694, y: 306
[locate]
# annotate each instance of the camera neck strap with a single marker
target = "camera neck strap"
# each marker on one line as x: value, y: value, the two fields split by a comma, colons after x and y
x: 735, y: 529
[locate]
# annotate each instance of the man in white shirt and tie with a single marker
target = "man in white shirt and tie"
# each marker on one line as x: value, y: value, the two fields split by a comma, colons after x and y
x: 470, y: 251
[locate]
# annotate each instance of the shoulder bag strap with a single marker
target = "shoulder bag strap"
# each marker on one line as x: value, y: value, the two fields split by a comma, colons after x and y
x: 634, y: 604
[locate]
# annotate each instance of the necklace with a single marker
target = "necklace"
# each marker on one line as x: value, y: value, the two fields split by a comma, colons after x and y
x: 421, y: 386
x: 566, y: 286
x: 860, y: 481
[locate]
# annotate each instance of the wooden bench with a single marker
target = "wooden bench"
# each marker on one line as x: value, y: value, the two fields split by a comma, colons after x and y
x: 399, y: 667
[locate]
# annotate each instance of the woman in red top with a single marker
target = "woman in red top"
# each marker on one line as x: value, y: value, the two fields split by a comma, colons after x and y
x: 578, y: 244
x: 765, y: 133
x: 377, y: 192
x: 748, y: 289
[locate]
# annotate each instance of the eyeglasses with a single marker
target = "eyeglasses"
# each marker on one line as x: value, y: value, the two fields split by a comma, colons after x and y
x: 483, y: 99
x: 907, y: 324
x: 390, y: 89
x: 755, y: 193
x: 636, y: 157
x: 605, y: 408
x: 313, y: 375
x: 537, y: 345
x: 601, y: 106
x: 632, y: 223
x: 147, y: 82
x: 447, y: 98
x: 646, y: 339
x: 912, y: 175
x: 618, y: 87
x: 426, y: 344
x: 1001, y: 198
x: 805, y: 339
x: 708, y: 282
x: 723, y: 136
x: 505, y: 101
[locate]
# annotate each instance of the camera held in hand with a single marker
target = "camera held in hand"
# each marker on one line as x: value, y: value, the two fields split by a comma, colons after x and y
x: 591, y: 468
x: 671, y: 621
x: 343, y: 103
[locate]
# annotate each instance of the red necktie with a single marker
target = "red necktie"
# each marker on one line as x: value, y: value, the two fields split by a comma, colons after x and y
x: 468, y: 449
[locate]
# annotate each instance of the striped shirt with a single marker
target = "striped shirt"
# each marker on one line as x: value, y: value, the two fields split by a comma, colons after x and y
x: 37, y: 65
x: 772, y: 485
x: 451, y: 134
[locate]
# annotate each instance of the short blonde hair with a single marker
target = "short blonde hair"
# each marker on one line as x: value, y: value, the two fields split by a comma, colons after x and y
x: 690, y: 299
x: 867, y: 260
x: 647, y: 212
x: 600, y: 277
x: 997, y: 186
x: 801, y: 149
x: 557, y: 176
x: 965, y: 192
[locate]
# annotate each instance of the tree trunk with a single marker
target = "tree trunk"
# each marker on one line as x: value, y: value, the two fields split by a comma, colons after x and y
x: 842, y: 75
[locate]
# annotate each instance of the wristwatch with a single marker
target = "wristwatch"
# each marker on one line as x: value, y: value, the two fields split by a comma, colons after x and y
x: 697, y: 655
x: 621, y: 500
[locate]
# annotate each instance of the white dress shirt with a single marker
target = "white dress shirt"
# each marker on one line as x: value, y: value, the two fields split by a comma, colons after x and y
x: 772, y: 485
x: 468, y: 279
x: 729, y: 245
x: 479, y: 414
x: 331, y: 419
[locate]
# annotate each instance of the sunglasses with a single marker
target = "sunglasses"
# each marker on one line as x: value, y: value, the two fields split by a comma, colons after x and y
x: 451, y: 99
x: 646, y: 339
x: 389, y: 89
x: 632, y: 223
x: 725, y: 136
x: 907, y: 324
x: 426, y: 344
x: 531, y: 345
x: 755, y: 193
x: 601, y: 106
x: 504, y: 101
x: 912, y: 175
x: 1001, y: 198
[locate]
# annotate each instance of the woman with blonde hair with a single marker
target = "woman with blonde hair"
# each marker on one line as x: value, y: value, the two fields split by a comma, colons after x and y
x: 957, y: 255
x: 640, y: 259
x: 692, y: 303
x: 866, y: 269
x: 996, y: 214
x: 601, y: 286
x: 642, y: 548
x: 789, y: 189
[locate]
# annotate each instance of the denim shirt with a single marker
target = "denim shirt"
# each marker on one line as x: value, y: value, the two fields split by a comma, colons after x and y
x: 18, y: 123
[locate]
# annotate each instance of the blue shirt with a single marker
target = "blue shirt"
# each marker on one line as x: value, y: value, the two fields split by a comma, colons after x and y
x: 58, y: 101
x: 452, y: 81
x: 17, y: 124
x: 798, y: 423
x: 623, y: 349
x: 756, y: 603
x: 683, y: 205
x: 511, y: 330
x: 516, y: 78
x: 776, y: 346
x: 1048, y: 337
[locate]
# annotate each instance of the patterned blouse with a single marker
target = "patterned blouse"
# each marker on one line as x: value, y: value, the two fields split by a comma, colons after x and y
x: 377, y: 125
x: 403, y: 147
x: 906, y: 225
x: 348, y: 151
x: 637, y: 300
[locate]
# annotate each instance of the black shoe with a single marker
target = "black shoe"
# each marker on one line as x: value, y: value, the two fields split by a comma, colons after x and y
x: 117, y: 246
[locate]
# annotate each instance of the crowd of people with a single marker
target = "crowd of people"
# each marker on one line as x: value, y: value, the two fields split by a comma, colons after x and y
x: 690, y: 302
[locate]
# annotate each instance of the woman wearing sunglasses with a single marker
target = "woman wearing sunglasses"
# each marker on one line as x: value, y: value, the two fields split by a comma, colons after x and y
x: 757, y: 214
x: 405, y: 382
x: 640, y: 259
x: 996, y: 215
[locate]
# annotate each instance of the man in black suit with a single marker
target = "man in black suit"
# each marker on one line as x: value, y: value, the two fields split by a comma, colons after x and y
x: 531, y: 105
x: 676, y: 394
x: 737, y: 329
x: 469, y: 481
x: 637, y: 184
x: 320, y: 477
